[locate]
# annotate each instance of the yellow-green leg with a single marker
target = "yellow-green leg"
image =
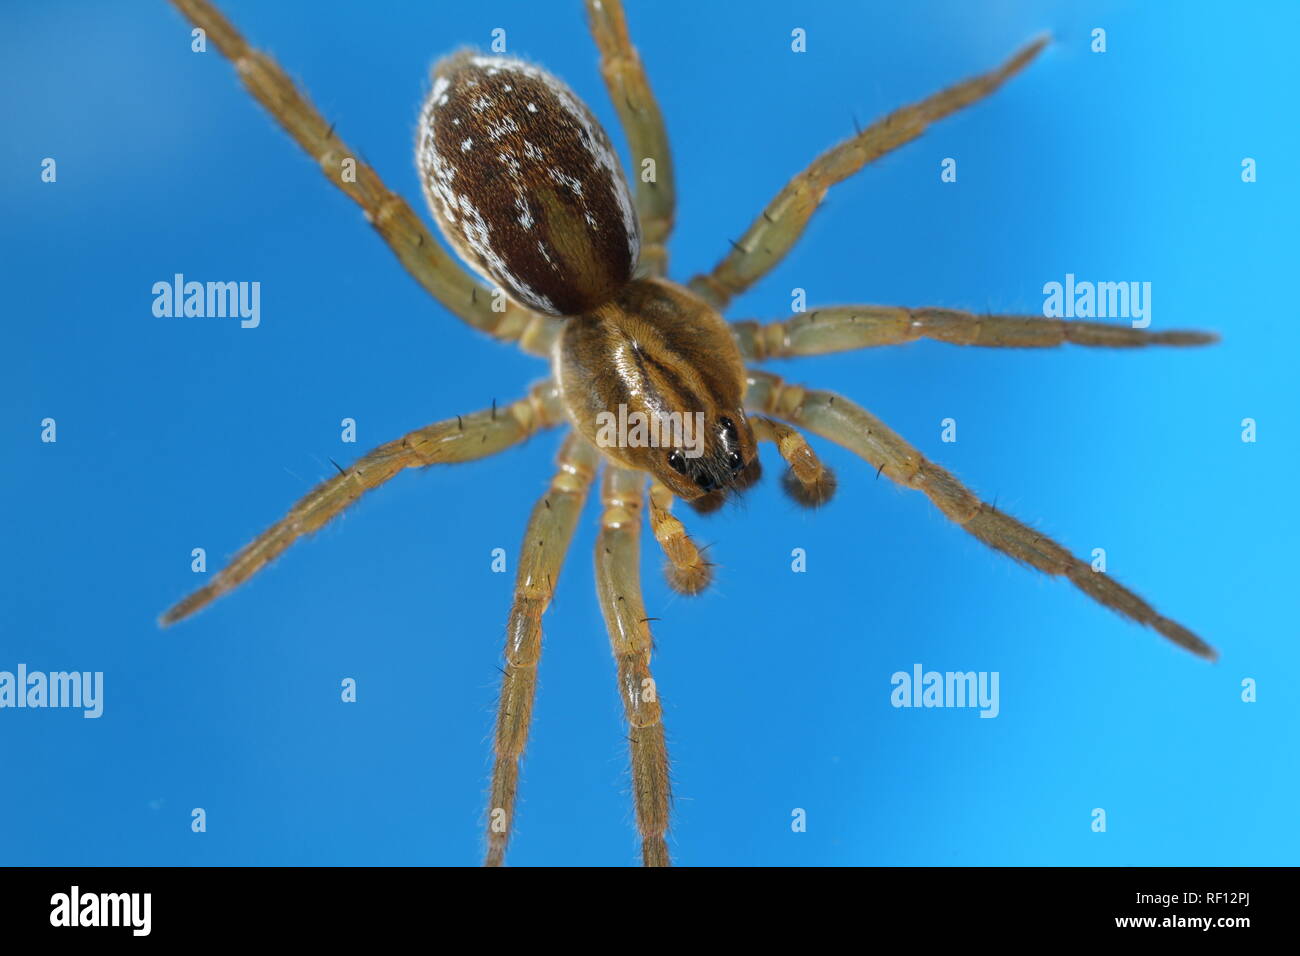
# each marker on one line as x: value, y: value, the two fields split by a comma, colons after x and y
x: 546, y: 541
x: 835, y: 417
x: 644, y: 125
x: 842, y: 328
x: 779, y: 226
x: 618, y: 587
x: 463, y: 438
x: 388, y: 212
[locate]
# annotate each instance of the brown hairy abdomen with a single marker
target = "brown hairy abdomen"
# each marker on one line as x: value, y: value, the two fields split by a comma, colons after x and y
x: 524, y: 183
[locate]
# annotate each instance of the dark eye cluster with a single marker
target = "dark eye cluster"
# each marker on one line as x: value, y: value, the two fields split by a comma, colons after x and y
x: 730, y: 438
x: 713, y: 472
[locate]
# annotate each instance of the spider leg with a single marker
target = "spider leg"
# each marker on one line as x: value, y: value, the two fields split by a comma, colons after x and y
x: 807, y: 480
x: 464, y: 438
x: 845, y: 327
x: 644, y: 125
x: 835, y: 417
x: 388, y: 212
x: 546, y: 541
x: 686, y: 570
x: 775, y: 231
x: 618, y: 586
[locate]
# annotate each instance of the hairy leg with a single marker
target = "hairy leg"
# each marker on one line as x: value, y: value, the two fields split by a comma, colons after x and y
x: 546, y: 541
x: 778, y: 228
x: 618, y: 586
x: 388, y: 212
x: 464, y: 438
x: 842, y: 328
x: 686, y: 570
x: 807, y: 480
x: 644, y: 125
x: 843, y: 422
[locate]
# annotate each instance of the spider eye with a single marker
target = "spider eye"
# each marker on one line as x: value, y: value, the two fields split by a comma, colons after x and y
x: 729, y: 427
x: 735, y: 461
x: 678, y: 462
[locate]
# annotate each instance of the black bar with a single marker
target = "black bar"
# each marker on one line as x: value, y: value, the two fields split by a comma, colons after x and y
x: 238, y: 904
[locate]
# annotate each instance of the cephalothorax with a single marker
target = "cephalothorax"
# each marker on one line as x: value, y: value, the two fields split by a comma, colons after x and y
x: 527, y: 188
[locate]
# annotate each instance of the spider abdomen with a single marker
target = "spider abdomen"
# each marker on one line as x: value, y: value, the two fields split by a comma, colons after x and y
x: 525, y: 185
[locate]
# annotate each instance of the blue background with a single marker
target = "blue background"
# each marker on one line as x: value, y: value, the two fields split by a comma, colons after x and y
x: 183, y: 433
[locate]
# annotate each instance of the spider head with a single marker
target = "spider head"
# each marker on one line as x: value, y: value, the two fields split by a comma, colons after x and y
x: 655, y: 381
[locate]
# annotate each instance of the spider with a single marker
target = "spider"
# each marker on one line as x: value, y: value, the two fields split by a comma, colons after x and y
x: 525, y: 186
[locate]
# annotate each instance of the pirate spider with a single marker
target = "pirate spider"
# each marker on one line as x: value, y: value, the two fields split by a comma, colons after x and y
x: 525, y: 186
